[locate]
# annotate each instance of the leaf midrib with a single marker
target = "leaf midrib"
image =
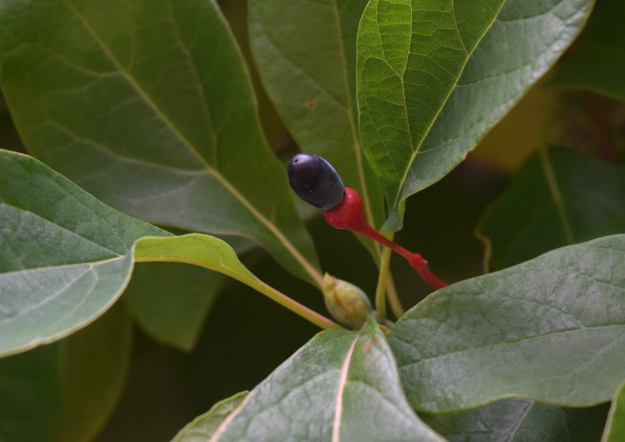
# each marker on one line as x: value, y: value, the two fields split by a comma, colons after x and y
x: 51, y: 297
x: 555, y: 193
x: 198, y: 83
x: 444, y: 102
x: 64, y: 266
x: 338, y: 407
x: 521, y: 420
x: 285, y: 242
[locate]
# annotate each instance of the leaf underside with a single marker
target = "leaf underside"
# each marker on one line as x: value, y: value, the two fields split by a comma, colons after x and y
x: 64, y: 256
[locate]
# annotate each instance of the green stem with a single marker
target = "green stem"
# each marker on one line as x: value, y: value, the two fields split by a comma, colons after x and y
x: 380, y: 292
x: 254, y: 283
x: 393, y: 298
x: 298, y: 308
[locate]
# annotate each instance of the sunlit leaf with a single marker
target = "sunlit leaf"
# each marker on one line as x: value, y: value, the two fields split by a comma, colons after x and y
x: 434, y: 77
x: 551, y: 329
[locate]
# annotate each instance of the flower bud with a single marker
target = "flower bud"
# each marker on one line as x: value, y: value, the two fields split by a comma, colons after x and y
x: 346, y: 303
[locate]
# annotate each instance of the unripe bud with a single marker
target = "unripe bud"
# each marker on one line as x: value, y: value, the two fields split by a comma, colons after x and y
x: 347, y: 303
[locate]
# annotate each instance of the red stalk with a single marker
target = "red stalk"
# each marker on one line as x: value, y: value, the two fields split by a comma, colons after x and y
x: 349, y: 215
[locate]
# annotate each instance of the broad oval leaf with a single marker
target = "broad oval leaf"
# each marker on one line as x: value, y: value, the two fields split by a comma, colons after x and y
x: 64, y: 256
x: 67, y: 390
x: 598, y: 62
x: 558, y: 198
x: 203, y: 427
x: 341, y: 386
x: 147, y: 104
x: 434, y: 77
x: 615, y: 427
x: 551, y: 329
x: 520, y: 420
x: 306, y: 56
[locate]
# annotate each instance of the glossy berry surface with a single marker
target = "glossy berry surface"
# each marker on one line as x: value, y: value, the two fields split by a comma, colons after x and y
x: 315, y: 181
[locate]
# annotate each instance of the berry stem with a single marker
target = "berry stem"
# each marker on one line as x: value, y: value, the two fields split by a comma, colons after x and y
x: 349, y: 215
x: 415, y: 260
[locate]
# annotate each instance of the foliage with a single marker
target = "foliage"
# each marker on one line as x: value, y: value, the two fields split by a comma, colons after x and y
x: 151, y: 176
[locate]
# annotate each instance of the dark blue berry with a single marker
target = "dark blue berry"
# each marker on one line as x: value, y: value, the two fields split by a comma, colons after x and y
x: 315, y: 181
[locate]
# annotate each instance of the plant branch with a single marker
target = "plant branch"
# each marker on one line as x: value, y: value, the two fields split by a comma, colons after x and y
x: 380, y: 292
x: 393, y: 298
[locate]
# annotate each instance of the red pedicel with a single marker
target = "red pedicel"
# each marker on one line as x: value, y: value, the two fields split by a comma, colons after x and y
x: 349, y: 215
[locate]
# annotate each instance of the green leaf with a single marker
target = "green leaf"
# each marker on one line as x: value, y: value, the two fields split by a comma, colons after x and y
x: 147, y: 104
x: 559, y: 197
x: 551, y: 329
x: 340, y: 386
x: 67, y: 390
x: 64, y: 256
x: 194, y: 248
x: 615, y: 427
x: 204, y: 426
x: 434, y: 77
x: 306, y: 55
x: 520, y: 420
x: 215, y: 254
x: 170, y: 301
x: 598, y: 61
